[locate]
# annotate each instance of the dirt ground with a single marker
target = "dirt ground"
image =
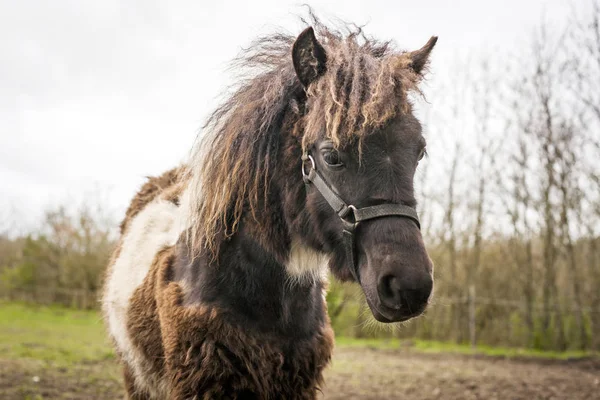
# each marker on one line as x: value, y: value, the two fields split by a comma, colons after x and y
x: 380, y: 374
x: 356, y: 373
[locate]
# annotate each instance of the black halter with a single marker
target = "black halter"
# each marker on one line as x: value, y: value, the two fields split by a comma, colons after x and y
x: 350, y: 215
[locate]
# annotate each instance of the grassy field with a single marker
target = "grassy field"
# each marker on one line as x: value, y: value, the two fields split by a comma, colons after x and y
x: 433, y: 347
x: 53, y: 352
x: 57, y: 353
x: 52, y: 334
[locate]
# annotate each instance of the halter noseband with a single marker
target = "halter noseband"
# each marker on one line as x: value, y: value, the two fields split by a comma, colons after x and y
x: 350, y: 215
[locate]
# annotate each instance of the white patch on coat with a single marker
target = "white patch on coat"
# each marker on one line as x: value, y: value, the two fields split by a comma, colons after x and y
x: 305, y: 263
x: 157, y: 225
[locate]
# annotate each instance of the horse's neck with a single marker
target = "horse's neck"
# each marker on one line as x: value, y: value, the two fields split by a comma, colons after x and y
x: 254, y: 289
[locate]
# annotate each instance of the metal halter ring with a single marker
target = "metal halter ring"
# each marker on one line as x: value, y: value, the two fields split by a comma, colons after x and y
x: 346, y: 211
x: 312, y: 161
x: 349, y: 224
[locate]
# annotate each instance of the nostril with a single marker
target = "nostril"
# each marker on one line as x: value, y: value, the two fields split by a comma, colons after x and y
x: 396, y: 294
x: 390, y: 291
x: 416, y: 298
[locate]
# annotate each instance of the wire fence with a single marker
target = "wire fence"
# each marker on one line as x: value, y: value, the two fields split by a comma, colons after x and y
x: 475, y: 316
x: 85, y: 298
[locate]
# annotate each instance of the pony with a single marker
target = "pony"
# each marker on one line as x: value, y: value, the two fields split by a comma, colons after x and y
x: 217, y: 286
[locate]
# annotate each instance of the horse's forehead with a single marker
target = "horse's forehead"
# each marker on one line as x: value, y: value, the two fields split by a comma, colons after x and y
x: 400, y: 130
x: 399, y: 133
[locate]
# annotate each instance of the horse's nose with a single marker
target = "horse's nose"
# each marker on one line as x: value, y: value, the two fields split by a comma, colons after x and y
x: 405, y: 294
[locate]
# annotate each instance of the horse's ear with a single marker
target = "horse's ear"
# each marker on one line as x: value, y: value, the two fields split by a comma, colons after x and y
x: 309, y: 57
x: 419, y: 58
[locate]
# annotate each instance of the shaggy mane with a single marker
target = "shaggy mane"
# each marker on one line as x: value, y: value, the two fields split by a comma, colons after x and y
x: 365, y: 85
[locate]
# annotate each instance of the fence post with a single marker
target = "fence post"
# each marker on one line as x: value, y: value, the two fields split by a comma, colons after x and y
x: 472, y: 333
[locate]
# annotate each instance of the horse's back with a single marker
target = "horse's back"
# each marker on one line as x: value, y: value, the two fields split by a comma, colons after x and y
x: 168, y: 182
x: 153, y: 222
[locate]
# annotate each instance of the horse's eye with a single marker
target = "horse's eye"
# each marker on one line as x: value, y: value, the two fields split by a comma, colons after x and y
x: 332, y: 158
x: 422, y: 154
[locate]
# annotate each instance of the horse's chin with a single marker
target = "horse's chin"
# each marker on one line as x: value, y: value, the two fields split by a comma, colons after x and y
x: 387, y: 315
x: 379, y: 317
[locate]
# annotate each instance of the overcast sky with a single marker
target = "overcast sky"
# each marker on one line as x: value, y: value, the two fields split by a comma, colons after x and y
x: 103, y: 93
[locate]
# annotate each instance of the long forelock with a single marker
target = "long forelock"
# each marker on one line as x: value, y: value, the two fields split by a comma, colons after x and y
x: 365, y: 86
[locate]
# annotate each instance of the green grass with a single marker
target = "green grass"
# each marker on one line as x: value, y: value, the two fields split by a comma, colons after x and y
x: 430, y: 346
x: 436, y: 347
x: 53, y: 334
x: 65, y: 337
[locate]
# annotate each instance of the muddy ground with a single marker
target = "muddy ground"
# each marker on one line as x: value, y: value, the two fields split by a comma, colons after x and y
x: 356, y: 373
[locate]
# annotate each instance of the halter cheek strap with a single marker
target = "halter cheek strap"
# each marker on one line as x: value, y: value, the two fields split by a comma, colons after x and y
x: 348, y: 214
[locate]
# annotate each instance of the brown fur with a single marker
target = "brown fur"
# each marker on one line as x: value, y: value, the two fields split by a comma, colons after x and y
x: 169, y: 185
x: 196, y: 350
x: 133, y: 393
x: 143, y: 325
x: 192, y: 348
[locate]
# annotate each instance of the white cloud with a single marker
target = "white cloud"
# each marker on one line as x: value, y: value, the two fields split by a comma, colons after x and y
x: 108, y: 92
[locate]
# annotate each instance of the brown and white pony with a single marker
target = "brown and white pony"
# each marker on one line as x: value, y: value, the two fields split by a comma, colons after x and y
x: 217, y: 287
